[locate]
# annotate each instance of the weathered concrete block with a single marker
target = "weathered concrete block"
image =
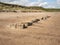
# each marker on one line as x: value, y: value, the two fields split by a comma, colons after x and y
x: 29, y: 23
x: 36, y: 20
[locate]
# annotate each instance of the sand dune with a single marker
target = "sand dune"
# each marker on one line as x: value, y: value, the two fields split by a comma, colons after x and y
x: 45, y: 32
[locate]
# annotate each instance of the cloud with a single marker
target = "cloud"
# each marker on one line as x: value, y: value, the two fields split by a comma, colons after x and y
x: 58, y: 1
x: 20, y: 2
x: 4, y: 0
x: 42, y: 4
x: 37, y: 3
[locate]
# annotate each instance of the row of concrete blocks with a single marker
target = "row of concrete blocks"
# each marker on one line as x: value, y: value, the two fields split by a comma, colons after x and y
x: 22, y: 25
x: 25, y: 25
x: 34, y: 21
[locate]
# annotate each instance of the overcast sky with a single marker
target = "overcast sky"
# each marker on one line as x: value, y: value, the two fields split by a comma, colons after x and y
x: 43, y: 3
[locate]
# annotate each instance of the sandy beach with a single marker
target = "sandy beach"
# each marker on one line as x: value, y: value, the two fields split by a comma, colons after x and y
x: 45, y: 32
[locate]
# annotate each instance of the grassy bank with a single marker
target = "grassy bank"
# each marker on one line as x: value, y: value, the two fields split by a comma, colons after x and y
x: 13, y: 7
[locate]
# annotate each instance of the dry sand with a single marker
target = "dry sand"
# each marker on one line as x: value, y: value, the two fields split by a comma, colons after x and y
x: 45, y: 32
